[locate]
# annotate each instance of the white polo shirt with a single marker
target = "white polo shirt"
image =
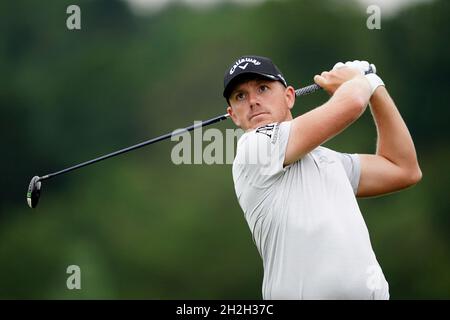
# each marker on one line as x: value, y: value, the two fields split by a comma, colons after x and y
x: 305, y: 220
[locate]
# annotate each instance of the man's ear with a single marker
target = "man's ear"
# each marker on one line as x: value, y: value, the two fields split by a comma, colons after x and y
x: 233, y: 116
x: 290, y: 96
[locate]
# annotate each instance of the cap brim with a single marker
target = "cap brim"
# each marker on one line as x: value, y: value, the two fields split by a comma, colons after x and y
x: 230, y: 86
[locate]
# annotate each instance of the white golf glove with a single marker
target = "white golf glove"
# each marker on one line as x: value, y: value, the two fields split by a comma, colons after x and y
x: 363, y: 67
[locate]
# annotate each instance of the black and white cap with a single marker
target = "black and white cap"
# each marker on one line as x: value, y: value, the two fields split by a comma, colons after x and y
x: 251, y: 64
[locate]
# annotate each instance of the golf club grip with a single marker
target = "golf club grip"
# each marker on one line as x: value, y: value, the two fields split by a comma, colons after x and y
x: 307, y: 90
x: 315, y: 87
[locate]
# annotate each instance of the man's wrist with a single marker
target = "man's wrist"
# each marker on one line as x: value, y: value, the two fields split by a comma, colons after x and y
x: 374, y: 81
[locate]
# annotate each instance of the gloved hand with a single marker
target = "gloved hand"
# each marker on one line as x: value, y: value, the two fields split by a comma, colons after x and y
x: 363, y: 67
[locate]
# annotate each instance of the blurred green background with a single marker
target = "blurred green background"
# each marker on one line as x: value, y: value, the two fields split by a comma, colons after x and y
x: 141, y: 227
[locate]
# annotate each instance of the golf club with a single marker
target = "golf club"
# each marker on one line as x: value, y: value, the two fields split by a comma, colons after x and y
x: 35, y: 186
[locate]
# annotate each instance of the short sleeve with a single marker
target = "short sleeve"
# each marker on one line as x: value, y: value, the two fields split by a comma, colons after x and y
x: 352, y: 167
x: 261, y: 152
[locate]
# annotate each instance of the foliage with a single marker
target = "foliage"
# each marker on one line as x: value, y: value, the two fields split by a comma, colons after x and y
x: 140, y: 226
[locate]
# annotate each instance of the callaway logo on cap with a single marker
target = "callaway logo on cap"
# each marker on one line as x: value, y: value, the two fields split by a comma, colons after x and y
x: 251, y: 64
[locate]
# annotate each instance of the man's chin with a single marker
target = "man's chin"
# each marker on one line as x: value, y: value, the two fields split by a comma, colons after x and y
x: 260, y: 123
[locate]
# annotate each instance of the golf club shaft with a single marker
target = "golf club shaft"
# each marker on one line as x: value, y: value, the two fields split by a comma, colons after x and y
x: 137, y: 146
x: 299, y: 92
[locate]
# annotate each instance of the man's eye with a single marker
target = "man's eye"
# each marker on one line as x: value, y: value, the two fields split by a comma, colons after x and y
x: 239, y: 96
x: 263, y: 88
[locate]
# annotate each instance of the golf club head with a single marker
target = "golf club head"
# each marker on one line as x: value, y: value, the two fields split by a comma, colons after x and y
x: 34, y: 192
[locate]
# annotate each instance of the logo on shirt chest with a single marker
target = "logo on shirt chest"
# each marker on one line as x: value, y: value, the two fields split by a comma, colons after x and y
x: 270, y: 130
x: 267, y: 130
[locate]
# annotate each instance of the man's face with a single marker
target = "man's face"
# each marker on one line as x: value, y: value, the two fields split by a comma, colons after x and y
x: 259, y: 101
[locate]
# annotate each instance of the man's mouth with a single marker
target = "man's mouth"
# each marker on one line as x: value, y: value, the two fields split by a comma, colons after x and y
x: 257, y: 114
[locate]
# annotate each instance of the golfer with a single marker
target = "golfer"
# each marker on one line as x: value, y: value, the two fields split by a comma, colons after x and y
x: 299, y: 198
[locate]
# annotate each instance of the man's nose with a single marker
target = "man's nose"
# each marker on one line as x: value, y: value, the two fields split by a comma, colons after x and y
x: 253, y: 99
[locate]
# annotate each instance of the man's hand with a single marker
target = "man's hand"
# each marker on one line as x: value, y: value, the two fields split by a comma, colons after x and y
x: 364, y: 67
x: 331, y: 80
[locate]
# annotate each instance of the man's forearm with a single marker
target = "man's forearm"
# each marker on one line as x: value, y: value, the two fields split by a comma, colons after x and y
x: 352, y: 92
x: 394, y: 140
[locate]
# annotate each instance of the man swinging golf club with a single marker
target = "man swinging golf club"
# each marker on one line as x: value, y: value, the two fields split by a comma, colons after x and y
x: 299, y: 198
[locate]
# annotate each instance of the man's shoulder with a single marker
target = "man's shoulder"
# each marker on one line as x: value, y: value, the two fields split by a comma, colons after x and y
x: 263, y: 147
x: 323, y: 154
x: 331, y: 152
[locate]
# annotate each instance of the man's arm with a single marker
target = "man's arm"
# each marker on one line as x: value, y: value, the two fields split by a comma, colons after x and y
x: 351, y: 93
x: 394, y: 166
